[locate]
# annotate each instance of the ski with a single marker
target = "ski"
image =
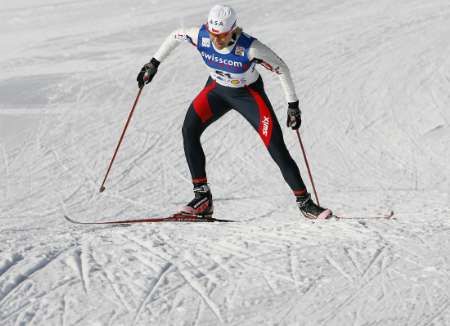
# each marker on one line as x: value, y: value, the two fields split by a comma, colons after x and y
x: 177, y: 217
x: 387, y: 216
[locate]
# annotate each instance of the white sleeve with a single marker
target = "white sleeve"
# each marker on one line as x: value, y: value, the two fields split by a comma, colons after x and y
x: 188, y: 35
x: 271, y: 61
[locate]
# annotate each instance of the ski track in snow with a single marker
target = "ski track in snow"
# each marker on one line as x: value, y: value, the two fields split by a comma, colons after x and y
x: 373, y: 78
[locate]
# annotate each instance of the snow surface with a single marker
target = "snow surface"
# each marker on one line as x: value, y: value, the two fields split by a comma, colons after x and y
x: 374, y: 79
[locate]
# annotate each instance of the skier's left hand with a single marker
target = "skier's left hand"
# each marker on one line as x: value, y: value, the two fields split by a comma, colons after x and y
x: 294, y: 115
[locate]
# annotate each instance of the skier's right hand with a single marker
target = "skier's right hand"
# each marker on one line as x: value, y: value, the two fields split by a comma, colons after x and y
x: 294, y: 115
x: 147, y: 72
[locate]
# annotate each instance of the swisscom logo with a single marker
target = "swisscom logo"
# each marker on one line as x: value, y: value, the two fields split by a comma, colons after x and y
x: 219, y: 60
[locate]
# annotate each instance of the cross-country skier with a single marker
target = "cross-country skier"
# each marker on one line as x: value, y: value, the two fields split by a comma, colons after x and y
x: 234, y: 83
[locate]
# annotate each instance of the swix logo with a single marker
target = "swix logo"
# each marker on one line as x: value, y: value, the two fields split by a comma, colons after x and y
x: 271, y: 68
x: 181, y: 37
x: 266, y: 124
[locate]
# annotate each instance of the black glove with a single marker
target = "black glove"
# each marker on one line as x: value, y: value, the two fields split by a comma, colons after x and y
x: 147, y: 72
x: 294, y: 115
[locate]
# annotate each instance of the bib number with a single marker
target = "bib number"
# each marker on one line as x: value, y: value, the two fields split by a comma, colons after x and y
x: 228, y: 79
x: 223, y: 74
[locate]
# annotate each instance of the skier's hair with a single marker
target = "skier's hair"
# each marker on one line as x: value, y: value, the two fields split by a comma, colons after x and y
x: 237, y: 31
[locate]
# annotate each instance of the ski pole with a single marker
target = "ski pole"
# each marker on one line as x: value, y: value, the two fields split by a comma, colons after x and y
x: 102, y: 187
x: 307, y: 166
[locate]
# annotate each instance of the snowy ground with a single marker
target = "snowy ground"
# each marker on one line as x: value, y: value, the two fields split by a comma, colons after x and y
x: 374, y: 78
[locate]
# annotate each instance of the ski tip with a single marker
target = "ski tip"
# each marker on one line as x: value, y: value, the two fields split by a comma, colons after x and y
x: 70, y: 220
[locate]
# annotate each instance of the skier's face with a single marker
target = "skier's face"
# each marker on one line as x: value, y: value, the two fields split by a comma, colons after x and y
x: 220, y: 41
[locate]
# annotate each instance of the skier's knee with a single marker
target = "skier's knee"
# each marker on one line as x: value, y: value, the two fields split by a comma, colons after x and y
x: 190, y: 131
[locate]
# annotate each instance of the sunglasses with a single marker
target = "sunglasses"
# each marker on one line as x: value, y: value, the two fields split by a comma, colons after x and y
x: 221, y: 36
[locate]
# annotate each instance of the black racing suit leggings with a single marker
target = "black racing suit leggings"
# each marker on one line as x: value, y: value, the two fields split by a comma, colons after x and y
x: 253, y: 104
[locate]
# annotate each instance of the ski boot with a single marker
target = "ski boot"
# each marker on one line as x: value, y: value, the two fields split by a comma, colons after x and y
x: 202, y: 204
x: 310, y: 210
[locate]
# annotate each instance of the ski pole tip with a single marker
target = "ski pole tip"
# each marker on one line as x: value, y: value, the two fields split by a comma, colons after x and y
x: 102, y: 188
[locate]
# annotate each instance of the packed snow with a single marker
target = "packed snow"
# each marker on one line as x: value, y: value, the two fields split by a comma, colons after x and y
x: 374, y: 81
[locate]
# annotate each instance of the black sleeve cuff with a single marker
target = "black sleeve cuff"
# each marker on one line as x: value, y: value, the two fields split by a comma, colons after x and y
x: 293, y: 105
x: 155, y: 62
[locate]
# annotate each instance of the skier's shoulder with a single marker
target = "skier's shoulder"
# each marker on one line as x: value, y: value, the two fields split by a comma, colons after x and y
x: 257, y: 49
x: 243, y: 37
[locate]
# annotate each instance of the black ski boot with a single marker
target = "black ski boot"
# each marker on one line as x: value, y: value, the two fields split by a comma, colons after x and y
x: 310, y: 210
x: 202, y: 203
